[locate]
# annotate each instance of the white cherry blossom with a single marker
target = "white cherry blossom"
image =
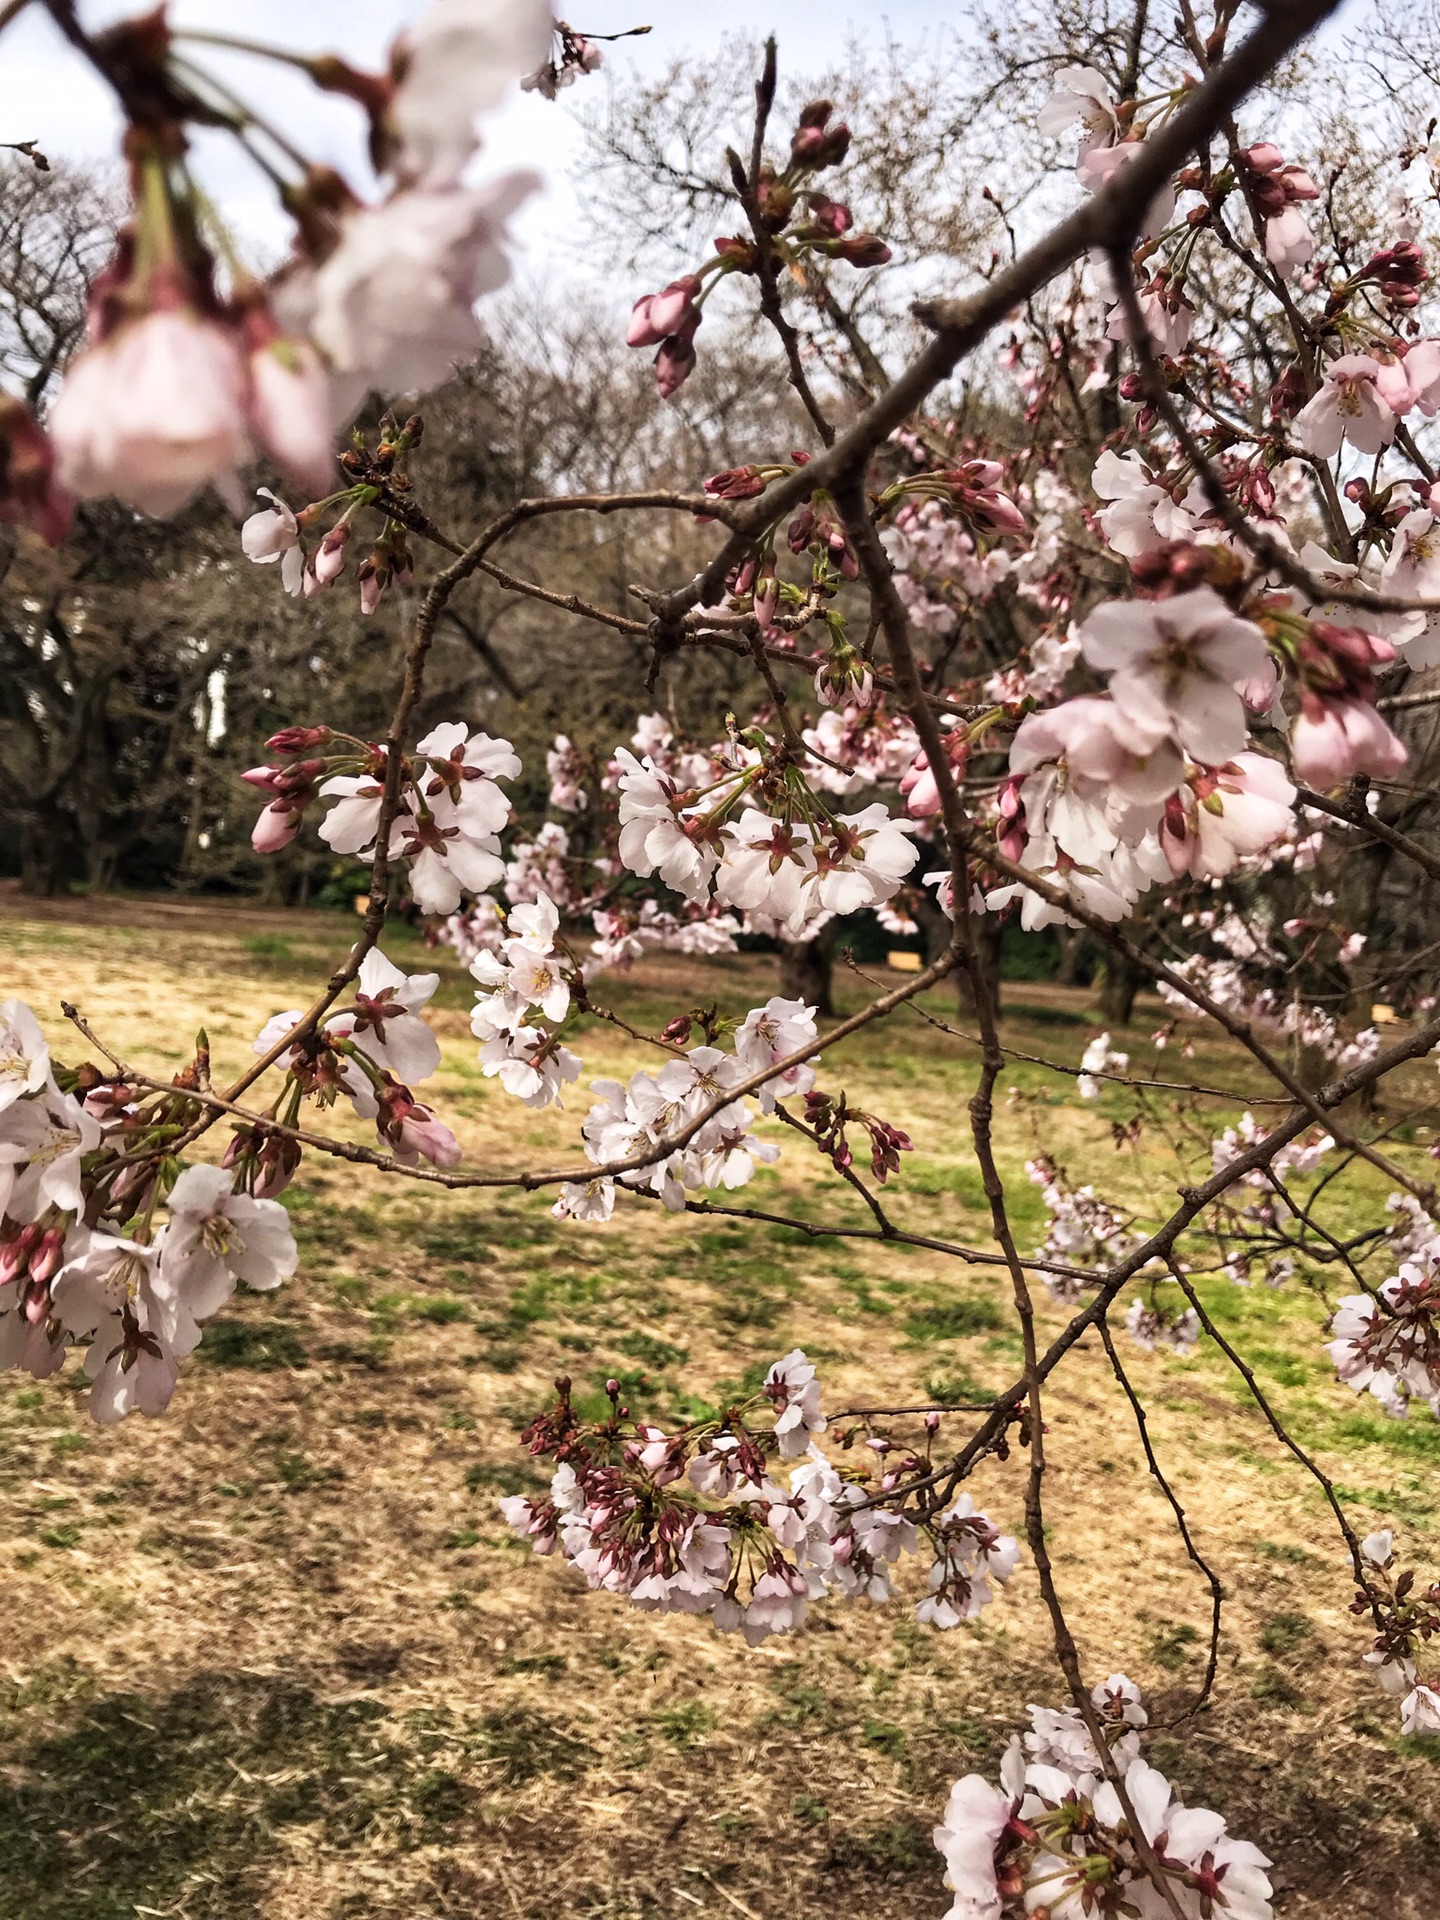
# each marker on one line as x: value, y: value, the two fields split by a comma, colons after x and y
x: 1081, y: 94
x: 459, y: 60
x: 114, y: 1293
x: 274, y: 534
x: 216, y: 1236
x: 24, y: 1056
x: 385, y: 1025
x: 1176, y: 667
x: 1348, y: 406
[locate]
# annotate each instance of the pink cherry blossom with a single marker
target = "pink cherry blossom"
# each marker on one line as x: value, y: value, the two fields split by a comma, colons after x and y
x: 385, y: 1021
x: 1221, y: 815
x: 1081, y: 94
x: 1347, y: 407
x: 154, y: 413
x: 1176, y: 667
x: 393, y: 306
x: 1098, y: 166
x: 1332, y: 740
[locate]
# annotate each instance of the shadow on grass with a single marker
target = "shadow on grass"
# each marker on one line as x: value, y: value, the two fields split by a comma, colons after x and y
x: 139, y: 1801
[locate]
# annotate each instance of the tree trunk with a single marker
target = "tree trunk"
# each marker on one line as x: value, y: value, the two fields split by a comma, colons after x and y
x: 988, y: 931
x: 1119, y: 984
x: 45, y: 854
x: 806, y: 971
x: 1072, y: 945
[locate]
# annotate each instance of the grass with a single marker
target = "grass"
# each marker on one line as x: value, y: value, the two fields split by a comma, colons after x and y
x: 278, y: 1655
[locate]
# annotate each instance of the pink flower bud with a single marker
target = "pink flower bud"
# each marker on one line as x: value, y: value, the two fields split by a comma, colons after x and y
x: 298, y: 739
x: 290, y: 410
x: 735, y: 483
x: 373, y: 581
x: 330, y: 560
x: 15, y: 1254
x: 862, y: 250
x: 276, y: 827
x: 45, y: 1261
x: 657, y: 315
x: 675, y: 362
x: 830, y: 217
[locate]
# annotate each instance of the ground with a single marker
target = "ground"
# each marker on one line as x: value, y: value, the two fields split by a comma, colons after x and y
x: 277, y: 1654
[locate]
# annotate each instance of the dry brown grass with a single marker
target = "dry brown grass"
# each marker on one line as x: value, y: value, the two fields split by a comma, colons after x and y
x: 276, y: 1655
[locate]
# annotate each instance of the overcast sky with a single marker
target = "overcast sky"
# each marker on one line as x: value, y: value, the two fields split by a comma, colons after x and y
x: 50, y: 95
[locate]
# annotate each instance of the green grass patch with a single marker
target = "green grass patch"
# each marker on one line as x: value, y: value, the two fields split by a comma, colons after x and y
x: 254, y: 1349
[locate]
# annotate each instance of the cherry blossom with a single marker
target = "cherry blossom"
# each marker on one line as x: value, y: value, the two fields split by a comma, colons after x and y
x: 1349, y: 407
x: 385, y: 1022
x: 1412, y: 572
x: 976, y: 1818
x: 1098, y: 166
x: 457, y: 61
x: 114, y: 1293
x: 217, y: 1236
x: 1081, y: 94
x: 54, y: 1133
x: 154, y: 413
x: 274, y: 534
x: 1389, y: 1344
x: 792, y: 1385
x: 289, y: 406
x: 1176, y: 667
x: 772, y: 1033
x: 654, y: 837
x: 1420, y: 1711
x: 1142, y: 515
x: 393, y: 305
x: 1055, y: 1831
x: 1098, y: 1057
x: 464, y: 767
x: 529, y: 1063
x: 1221, y: 815
x: 24, y: 1056
x: 1275, y: 191
x: 1331, y: 741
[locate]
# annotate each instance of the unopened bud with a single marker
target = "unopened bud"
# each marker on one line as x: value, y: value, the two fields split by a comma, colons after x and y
x: 861, y: 250
x: 297, y: 740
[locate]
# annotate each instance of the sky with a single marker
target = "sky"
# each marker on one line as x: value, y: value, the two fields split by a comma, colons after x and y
x: 50, y: 95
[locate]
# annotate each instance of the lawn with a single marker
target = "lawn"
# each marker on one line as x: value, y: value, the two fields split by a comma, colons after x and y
x: 278, y: 1655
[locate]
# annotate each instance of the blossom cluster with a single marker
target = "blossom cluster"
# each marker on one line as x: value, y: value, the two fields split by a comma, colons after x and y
x: 106, y: 1242
x: 1055, y: 1837
x: 188, y: 370
x: 371, y: 1053
x: 690, y: 1095
x: 445, y: 822
x: 1388, y: 1343
x: 697, y: 1521
x: 1408, y: 1618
